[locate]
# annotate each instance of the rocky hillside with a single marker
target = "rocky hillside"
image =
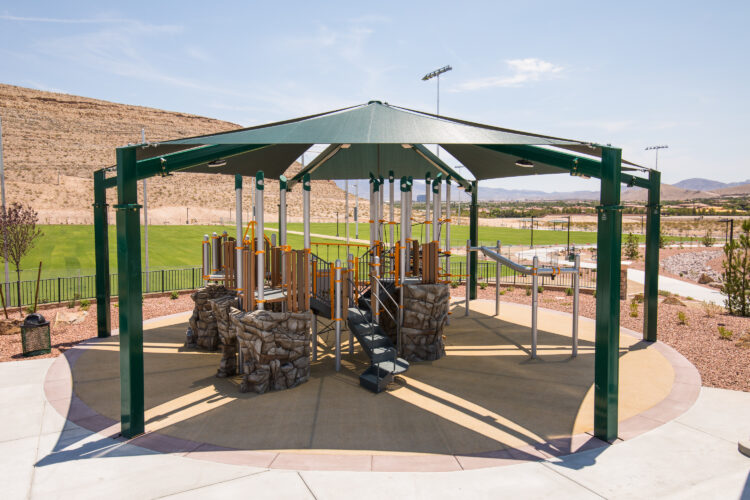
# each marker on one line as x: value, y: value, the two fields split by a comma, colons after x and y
x: 53, y: 142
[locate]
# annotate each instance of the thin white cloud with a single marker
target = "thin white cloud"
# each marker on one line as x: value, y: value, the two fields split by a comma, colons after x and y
x: 522, y: 71
x: 165, y: 28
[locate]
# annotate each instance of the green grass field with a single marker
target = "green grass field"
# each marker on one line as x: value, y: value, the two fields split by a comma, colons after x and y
x: 67, y: 250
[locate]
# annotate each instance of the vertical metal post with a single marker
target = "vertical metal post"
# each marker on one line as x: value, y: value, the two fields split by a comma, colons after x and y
x: 402, y: 255
x: 356, y: 210
x: 145, y: 237
x: 498, y: 272
x: 306, y: 209
x: 381, y: 210
x: 576, y: 295
x: 534, y: 304
x: 374, y: 286
x: 346, y: 211
x: 101, y: 248
x: 238, y: 238
x: 606, y: 357
x: 350, y: 294
x: 373, y: 182
x: 427, y: 188
x: 206, y: 246
x: 315, y: 337
x: 130, y: 299
x: 260, y: 245
x: 448, y: 225
x: 391, y: 179
x: 651, y: 284
x: 468, y: 272
x: 474, y: 235
x: 436, y: 209
x: 337, y: 311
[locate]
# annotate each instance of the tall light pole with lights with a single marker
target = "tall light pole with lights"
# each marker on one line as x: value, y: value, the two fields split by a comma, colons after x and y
x: 436, y: 74
x: 657, y: 148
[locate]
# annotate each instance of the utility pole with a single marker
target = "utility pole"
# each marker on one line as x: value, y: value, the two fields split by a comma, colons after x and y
x: 656, y: 149
x: 145, y: 221
x: 5, y: 229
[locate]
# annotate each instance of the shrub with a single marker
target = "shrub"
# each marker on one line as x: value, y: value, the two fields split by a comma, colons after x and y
x: 71, y: 304
x: 84, y: 304
x: 29, y: 309
x: 708, y: 240
x: 482, y: 286
x: 631, y: 246
x: 638, y: 297
x: 502, y: 292
x: 725, y: 333
x: 540, y: 289
x: 528, y: 292
x: 634, y: 308
x: 454, y: 284
x: 568, y: 291
x: 663, y: 241
x: 174, y: 295
x: 664, y: 293
x: 682, y: 318
x: 736, y: 287
x: 711, y: 309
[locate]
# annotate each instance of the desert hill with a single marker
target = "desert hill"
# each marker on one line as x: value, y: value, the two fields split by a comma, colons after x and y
x: 53, y: 142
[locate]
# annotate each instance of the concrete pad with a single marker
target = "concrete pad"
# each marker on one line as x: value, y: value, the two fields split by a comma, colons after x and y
x: 275, y: 485
x: 669, y: 460
x: 17, y: 459
x: 528, y: 481
x: 734, y: 423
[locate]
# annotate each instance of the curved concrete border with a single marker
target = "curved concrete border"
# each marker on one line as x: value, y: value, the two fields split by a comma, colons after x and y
x: 58, y: 387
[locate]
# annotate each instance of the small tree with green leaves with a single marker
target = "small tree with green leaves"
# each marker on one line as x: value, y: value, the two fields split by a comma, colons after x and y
x: 631, y: 246
x: 736, y: 287
x: 708, y: 239
x: 19, y: 233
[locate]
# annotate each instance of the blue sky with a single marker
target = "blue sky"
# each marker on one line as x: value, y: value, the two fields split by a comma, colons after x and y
x: 632, y: 74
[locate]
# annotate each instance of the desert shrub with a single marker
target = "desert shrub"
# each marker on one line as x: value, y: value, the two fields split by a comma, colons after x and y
x: 708, y: 240
x: 502, y: 292
x: 634, y: 308
x: 568, y: 291
x: 482, y: 286
x: 664, y: 293
x: 29, y: 309
x: 454, y: 284
x: 631, y: 246
x: 663, y: 241
x: 174, y: 295
x: 540, y: 289
x: 528, y: 292
x: 711, y: 309
x: 682, y: 318
x: 638, y: 297
x: 84, y: 304
x: 736, y: 274
x: 725, y: 333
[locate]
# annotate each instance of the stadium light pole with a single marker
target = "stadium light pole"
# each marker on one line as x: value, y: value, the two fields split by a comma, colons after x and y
x: 430, y: 76
x: 656, y: 149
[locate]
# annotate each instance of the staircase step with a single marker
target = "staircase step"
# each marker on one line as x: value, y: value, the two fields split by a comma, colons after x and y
x: 382, y: 355
x: 400, y: 366
x: 375, y: 379
x: 320, y: 307
x: 357, y: 315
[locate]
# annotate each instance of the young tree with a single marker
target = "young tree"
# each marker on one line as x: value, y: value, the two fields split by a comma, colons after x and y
x: 631, y: 246
x: 737, y: 273
x: 18, y: 230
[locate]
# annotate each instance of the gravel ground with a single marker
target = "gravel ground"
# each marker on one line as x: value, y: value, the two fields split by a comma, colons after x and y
x: 722, y: 363
x: 672, y: 260
x: 66, y: 336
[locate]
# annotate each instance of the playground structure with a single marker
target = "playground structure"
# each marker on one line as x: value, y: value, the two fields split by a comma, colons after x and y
x: 362, y: 139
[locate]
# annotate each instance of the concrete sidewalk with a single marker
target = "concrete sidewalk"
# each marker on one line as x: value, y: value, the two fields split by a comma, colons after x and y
x: 43, y: 456
x: 680, y: 287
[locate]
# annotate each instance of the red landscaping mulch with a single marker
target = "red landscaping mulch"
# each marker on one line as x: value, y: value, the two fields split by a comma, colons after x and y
x: 65, y: 336
x: 722, y: 363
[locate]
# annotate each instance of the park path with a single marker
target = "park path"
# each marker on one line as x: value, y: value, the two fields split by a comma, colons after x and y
x: 679, y: 287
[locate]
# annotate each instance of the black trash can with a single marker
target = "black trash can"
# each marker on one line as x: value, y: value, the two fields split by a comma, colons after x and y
x: 35, y: 335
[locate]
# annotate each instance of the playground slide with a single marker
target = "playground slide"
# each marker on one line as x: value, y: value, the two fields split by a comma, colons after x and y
x: 488, y: 252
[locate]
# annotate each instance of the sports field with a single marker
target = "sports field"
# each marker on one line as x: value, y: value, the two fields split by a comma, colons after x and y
x: 68, y: 250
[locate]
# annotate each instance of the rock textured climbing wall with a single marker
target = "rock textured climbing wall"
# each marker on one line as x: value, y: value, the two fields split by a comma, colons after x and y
x: 275, y: 349
x: 227, y: 336
x: 205, y: 333
x: 426, y: 309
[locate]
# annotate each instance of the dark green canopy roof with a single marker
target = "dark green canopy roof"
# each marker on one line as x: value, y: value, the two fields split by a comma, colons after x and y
x: 373, y: 138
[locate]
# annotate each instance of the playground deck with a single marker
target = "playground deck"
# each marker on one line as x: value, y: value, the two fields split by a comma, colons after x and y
x: 484, y: 404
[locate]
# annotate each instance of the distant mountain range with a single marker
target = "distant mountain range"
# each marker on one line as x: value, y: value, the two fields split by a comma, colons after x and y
x: 688, y: 189
x: 699, y: 184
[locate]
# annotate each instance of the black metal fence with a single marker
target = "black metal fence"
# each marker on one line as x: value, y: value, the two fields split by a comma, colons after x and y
x: 486, y: 273
x: 84, y: 287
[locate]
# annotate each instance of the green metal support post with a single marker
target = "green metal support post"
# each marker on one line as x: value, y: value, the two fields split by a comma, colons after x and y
x: 132, y: 419
x: 474, y: 237
x: 101, y: 248
x: 607, y: 340
x: 653, y: 229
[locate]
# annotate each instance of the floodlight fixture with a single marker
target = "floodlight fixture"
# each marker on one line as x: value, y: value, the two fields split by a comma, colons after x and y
x: 656, y: 149
x: 437, y: 72
x: 524, y: 163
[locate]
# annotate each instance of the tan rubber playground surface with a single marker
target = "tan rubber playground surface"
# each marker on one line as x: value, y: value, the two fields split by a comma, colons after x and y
x: 485, y: 396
